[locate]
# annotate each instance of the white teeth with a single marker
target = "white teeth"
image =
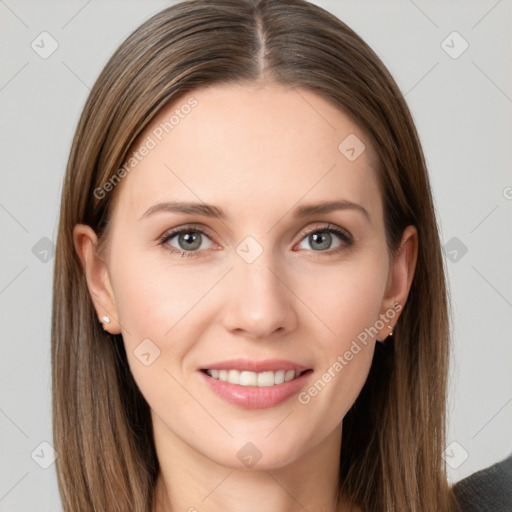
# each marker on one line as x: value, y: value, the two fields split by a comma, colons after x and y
x: 245, y: 378
x: 279, y: 376
x: 289, y: 375
x: 248, y: 379
x: 266, y: 379
x: 233, y: 376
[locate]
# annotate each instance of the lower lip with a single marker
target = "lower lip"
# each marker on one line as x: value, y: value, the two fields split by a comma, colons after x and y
x: 255, y: 397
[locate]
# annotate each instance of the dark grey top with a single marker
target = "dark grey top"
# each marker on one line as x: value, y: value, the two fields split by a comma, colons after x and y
x: 487, y: 490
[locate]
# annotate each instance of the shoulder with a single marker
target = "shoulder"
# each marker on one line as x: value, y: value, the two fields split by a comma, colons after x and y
x: 487, y: 490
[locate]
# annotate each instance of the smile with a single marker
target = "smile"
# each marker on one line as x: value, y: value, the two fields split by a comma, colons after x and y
x: 255, y: 384
x: 246, y: 378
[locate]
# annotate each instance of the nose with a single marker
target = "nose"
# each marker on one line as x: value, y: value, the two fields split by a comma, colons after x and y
x: 260, y: 303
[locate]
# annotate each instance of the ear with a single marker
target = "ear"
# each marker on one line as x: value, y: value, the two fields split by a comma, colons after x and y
x: 400, y: 276
x: 97, y: 276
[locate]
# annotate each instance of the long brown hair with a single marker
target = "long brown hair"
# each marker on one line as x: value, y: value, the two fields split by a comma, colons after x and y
x: 394, y: 434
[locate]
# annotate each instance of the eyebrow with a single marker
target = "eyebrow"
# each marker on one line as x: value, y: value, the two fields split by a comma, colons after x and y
x: 209, y: 210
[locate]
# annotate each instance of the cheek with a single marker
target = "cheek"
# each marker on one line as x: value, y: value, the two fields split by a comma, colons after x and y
x: 163, y: 308
x: 157, y: 306
x: 347, y: 299
x: 154, y: 295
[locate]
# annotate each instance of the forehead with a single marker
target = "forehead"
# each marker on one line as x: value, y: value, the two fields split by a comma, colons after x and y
x: 246, y: 147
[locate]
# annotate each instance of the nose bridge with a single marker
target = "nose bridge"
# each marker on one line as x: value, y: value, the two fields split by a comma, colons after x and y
x: 259, y: 303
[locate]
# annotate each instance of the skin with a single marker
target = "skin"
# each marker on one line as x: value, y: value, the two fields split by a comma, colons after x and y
x: 258, y: 152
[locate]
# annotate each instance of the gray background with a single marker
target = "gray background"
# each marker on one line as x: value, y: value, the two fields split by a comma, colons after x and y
x: 462, y: 106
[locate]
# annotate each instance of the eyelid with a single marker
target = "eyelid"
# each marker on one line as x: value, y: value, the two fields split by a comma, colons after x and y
x: 200, y: 228
x: 326, y: 227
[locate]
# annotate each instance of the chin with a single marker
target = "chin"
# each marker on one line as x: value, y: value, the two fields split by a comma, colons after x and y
x: 256, y: 454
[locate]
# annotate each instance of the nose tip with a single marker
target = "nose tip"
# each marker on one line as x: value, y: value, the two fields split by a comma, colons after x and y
x: 259, y: 304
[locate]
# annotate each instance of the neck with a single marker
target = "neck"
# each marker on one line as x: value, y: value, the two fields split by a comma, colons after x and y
x: 189, y: 481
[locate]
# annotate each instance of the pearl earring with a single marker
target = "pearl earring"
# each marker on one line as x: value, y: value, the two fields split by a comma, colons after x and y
x: 106, y: 320
x: 390, y: 334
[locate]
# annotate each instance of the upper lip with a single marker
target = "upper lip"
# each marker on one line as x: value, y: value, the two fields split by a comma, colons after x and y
x: 268, y: 365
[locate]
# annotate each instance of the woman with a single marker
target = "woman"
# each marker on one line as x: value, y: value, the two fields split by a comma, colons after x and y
x: 246, y: 214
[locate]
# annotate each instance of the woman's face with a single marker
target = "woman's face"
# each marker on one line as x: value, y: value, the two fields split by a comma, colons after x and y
x: 258, y: 284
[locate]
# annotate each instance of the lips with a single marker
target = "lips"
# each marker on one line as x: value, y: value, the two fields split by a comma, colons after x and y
x: 255, y: 384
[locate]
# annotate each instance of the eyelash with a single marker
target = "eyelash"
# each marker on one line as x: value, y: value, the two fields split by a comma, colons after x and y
x: 344, y: 236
